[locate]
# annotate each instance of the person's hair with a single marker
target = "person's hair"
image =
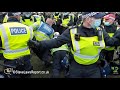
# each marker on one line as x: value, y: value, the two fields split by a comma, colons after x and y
x: 83, y: 19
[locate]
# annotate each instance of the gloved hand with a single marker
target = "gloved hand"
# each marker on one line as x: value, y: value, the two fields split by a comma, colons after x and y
x: 32, y: 43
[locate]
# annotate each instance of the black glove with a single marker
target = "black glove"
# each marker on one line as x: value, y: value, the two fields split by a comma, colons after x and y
x: 32, y: 43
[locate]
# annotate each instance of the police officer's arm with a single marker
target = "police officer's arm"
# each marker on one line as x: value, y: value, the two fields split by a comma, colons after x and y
x: 35, y: 25
x: 112, y: 41
x: 57, y: 42
x: 117, y: 37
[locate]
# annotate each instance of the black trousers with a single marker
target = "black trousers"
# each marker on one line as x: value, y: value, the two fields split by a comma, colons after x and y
x: 43, y: 55
x: 57, y: 57
x: 108, y: 55
x: 23, y: 64
x: 57, y: 67
x: 84, y: 71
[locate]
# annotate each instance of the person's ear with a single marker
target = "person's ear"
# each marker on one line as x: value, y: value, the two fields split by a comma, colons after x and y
x: 88, y: 19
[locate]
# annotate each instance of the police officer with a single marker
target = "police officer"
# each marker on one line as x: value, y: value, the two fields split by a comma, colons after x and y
x: 115, y: 64
x: 58, y: 21
x: 27, y: 18
x: 5, y: 14
x: 58, y: 55
x: 41, y: 14
x: 14, y: 37
x: 67, y: 20
x: 110, y: 28
x: 56, y: 16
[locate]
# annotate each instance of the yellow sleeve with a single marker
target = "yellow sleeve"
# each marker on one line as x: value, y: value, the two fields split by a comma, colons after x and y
x: 35, y: 25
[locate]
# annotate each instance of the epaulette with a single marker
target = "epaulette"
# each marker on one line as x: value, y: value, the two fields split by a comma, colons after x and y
x: 71, y: 27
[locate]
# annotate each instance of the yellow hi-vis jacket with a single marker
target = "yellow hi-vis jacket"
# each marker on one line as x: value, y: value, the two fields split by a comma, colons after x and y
x: 5, y: 19
x: 56, y: 17
x: 15, y: 36
x: 37, y: 17
x: 28, y: 22
x: 35, y: 25
x: 41, y: 35
x: 87, y: 50
x: 1, y: 51
x: 66, y: 21
x: 63, y: 47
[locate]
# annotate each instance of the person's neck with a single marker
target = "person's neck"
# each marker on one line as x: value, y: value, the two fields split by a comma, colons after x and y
x: 86, y: 25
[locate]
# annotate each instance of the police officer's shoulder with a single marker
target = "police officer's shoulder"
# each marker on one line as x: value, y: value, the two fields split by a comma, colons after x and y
x: 72, y: 27
x: 8, y: 23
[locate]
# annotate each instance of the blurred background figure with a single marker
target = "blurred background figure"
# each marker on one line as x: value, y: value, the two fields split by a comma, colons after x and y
x: 27, y: 18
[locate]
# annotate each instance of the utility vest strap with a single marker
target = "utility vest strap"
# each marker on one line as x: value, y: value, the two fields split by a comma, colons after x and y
x: 77, y: 53
x: 63, y: 47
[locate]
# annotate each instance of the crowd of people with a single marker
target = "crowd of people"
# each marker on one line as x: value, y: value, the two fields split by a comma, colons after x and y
x: 82, y: 44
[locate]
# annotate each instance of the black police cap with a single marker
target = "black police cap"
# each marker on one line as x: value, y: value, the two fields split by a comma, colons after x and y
x: 96, y: 15
x: 14, y: 13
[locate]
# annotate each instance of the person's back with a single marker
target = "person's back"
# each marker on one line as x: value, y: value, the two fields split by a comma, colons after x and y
x: 3, y: 19
x: 14, y: 37
x: 44, y: 32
